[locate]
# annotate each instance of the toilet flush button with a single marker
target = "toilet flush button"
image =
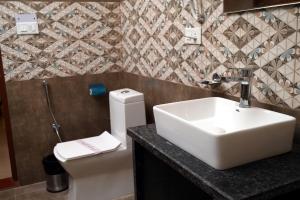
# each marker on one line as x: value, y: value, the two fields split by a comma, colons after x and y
x: 125, y: 91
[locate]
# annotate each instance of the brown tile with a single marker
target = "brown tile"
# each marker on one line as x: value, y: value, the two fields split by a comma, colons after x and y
x: 5, y: 169
x: 79, y: 114
x: 159, y: 92
x: 82, y: 115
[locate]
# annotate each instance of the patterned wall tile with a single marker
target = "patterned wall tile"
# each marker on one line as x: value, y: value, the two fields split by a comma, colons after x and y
x: 75, y: 38
x: 265, y: 40
x: 147, y: 38
x: 296, y: 83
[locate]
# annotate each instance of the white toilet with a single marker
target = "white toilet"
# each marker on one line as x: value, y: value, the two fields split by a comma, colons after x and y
x: 107, y: 176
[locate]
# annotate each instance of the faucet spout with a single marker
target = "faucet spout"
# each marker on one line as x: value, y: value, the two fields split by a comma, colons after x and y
x: 245, y: 99
x: 245, y: 76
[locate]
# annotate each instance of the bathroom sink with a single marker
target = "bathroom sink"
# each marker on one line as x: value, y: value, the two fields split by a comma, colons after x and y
x: 223, y: 135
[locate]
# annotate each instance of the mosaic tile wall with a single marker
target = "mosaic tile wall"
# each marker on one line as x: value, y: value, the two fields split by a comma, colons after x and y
x: 79, y: 38
x: 75, y: 38
x: 265, y: 40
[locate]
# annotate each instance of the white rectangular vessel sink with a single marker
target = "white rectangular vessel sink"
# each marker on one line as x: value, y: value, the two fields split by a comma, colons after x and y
x: 223, y: 135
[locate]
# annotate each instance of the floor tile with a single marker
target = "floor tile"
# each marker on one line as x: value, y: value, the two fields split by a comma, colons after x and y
x: 7, y: 194
x: 38, y: 192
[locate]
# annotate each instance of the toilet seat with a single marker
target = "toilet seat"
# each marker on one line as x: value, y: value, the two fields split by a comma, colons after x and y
x: 76, y: 149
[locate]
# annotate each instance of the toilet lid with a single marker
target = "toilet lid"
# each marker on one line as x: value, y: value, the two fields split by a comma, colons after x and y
x: 87, y: 147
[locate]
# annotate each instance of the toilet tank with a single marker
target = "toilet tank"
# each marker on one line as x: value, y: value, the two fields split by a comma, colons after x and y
x: 127, y: 109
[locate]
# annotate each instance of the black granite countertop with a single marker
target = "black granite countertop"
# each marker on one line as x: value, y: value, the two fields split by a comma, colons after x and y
x: 263, y: 179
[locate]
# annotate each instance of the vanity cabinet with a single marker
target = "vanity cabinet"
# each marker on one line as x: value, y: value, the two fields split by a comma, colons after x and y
x: 162, y: 171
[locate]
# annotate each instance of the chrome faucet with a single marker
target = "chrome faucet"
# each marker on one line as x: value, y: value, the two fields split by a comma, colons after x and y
x: 245, y: 80
x: 244, y: 77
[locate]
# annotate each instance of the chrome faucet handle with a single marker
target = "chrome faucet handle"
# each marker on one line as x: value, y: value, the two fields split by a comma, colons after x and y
x: 216, y: 77
x: 216, y: 80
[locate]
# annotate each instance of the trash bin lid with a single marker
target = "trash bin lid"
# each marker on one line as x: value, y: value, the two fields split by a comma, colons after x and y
x: 52, y: 165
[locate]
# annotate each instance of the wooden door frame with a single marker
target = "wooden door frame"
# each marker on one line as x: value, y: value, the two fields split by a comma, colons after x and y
x: 7, y: 122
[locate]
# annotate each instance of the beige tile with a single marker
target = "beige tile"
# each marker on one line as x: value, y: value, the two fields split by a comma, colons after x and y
x: 127, y: 197
x: 42, y: 195
x: 7, y: 194
x: 34, y: 196
x: 74, y: 109
x: 28, y: 189
x: 238, y: 40
x: 59, y: 23
x: 38, y: 192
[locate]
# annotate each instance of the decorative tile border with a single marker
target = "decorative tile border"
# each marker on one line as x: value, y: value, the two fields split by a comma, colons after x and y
x: 75, y: 38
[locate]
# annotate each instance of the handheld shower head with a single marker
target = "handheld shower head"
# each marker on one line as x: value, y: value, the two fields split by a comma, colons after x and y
x: 55, y: 125
x: 45, y: 85
x: 45, y: 82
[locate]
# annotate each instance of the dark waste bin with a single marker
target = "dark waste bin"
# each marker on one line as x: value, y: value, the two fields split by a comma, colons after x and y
x: 56, y: 177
